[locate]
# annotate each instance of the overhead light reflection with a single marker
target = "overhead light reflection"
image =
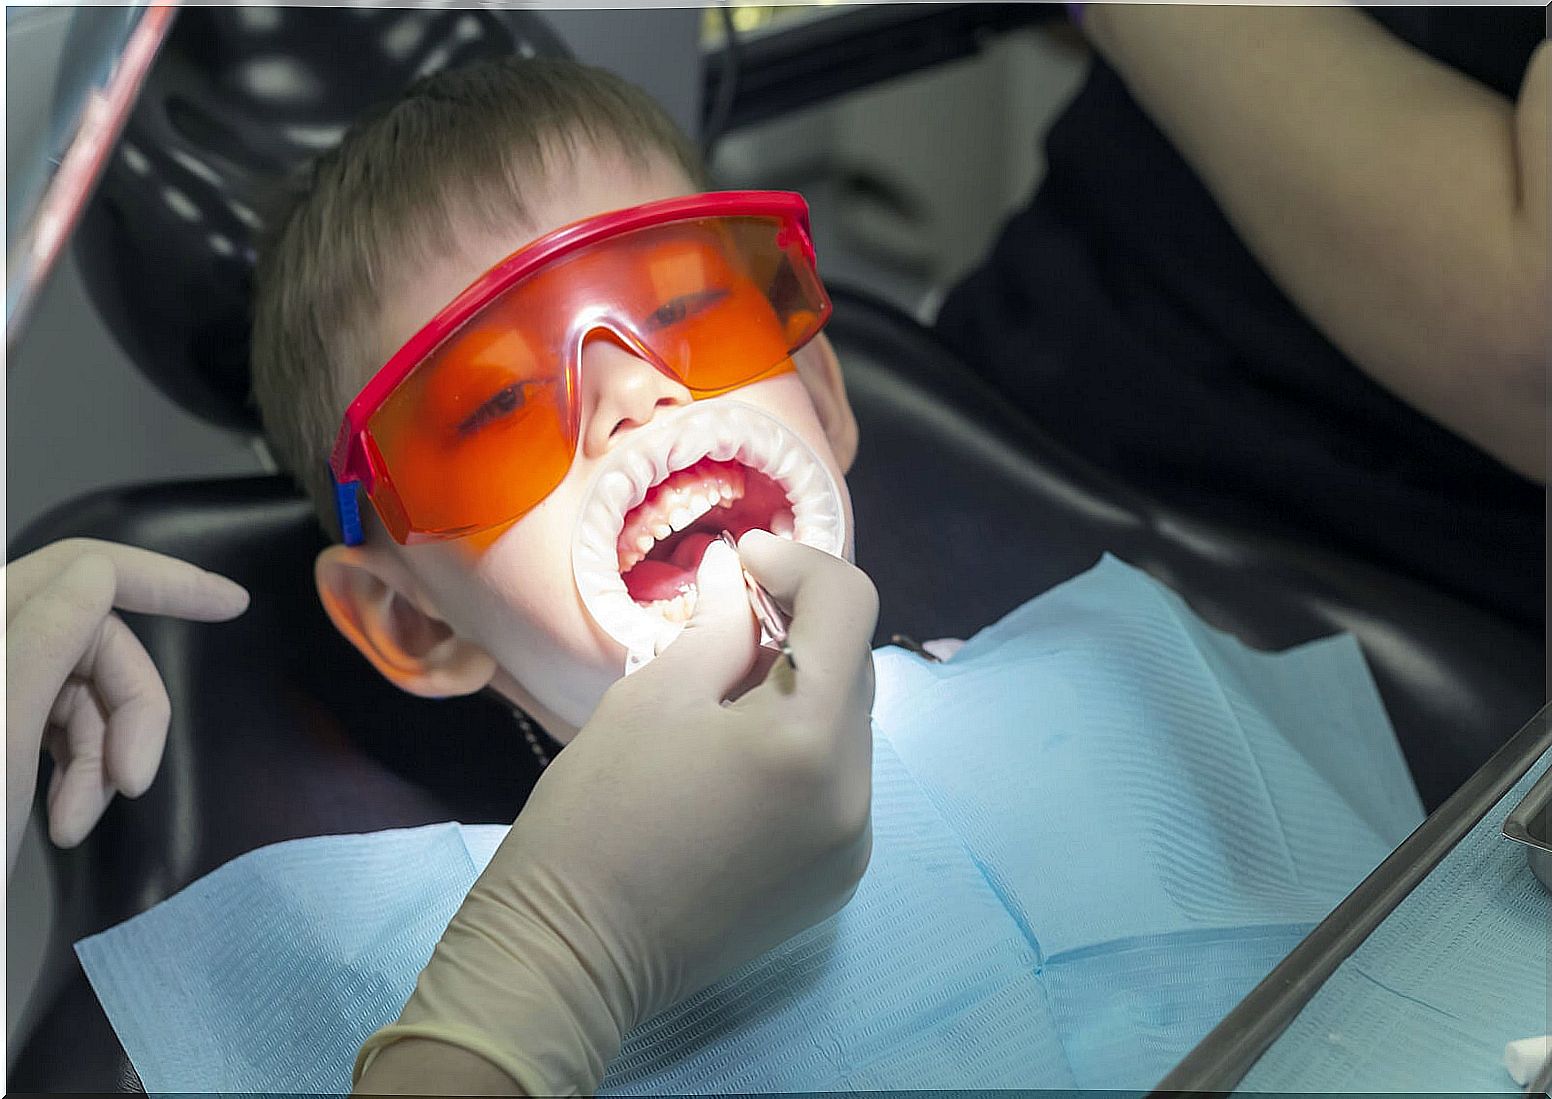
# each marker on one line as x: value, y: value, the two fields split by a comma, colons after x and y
x: 314, y: 137
x: 196, y: 167
x: 245, y: 214
x: 435, y: 61
x: 135, y: 160
x: 180, y: 204
x: 259, y: 20
x: 277, y: 77
x: 400, y: 39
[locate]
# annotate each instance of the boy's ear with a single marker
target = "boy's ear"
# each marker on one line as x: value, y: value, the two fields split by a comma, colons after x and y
x: 363, y: 589
x: 821, y: 373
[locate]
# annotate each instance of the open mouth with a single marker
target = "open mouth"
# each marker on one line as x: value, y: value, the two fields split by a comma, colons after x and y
x: 660, y: 501
x: 665, y: 536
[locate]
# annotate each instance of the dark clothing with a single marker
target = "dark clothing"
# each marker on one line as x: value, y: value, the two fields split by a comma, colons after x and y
x: 1121, y: 310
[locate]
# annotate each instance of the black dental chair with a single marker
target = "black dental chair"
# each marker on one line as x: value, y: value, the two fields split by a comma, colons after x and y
x: 280, y: 730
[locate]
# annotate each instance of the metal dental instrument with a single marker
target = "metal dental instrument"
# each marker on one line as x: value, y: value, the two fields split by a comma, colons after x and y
x: 915, y: 646
x: 766, y: 612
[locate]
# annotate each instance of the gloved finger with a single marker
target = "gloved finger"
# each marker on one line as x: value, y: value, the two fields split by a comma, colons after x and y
x: 145, y: 582
x: 833, y: 607
x: 714, y: 651
x: 80, y: 790
x: 53, y: 740
x: 138, y: 710
x: 117, y: 679
x: 48, y: 638
x: 70, y: 696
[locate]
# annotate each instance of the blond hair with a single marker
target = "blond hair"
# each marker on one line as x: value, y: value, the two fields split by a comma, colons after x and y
x: 463, y: 145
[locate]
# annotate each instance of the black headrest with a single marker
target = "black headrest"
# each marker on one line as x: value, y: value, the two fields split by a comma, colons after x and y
x: 238, y: 99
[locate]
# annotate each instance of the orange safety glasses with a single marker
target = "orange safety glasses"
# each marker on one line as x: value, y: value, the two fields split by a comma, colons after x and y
x: 476, y: 419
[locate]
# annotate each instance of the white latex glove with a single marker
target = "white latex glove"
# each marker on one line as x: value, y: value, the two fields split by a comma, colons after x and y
x: 78, y: 682
x: 674, y: 839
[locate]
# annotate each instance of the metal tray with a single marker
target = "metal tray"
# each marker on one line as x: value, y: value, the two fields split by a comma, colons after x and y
x: 1530, y: 824
x: 1220, y: 1060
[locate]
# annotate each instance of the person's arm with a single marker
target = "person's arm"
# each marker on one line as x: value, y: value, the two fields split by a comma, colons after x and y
x: 419, y: 1066
x: 678, y: 836
x: 1400, y: 204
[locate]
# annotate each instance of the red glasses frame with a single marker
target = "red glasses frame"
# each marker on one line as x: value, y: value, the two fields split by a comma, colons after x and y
x: 351, y: 460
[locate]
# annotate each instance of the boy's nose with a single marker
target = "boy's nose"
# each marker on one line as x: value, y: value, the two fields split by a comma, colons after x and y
x: 620, y: 390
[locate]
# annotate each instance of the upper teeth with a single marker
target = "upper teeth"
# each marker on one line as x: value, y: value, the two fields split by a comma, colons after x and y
x: 720, y: 430
x: 674, y: 509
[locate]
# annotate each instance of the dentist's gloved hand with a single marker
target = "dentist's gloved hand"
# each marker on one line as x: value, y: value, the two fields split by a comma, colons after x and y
x: 673, y: 840
x: 79, y: 683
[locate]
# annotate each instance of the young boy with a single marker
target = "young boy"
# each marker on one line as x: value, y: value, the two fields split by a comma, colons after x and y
x: 562, y: 374
x: 406, y: 216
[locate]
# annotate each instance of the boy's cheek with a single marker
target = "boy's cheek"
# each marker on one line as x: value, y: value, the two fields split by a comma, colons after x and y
x: 475, y: 546
x: 787, y: 398
x: 568, y: 680
x: 533, y: 614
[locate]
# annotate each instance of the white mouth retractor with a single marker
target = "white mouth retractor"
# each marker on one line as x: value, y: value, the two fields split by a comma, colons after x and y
x: 722, y: 430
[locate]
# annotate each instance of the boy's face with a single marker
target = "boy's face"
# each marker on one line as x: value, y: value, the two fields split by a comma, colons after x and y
x: 503, y: 608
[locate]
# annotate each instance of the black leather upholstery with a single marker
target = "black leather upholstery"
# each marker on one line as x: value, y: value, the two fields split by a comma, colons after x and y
x: 238, y: 98
x: 963, y: 511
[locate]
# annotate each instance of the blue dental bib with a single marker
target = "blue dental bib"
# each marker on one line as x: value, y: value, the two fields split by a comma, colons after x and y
x: 1095, y: 829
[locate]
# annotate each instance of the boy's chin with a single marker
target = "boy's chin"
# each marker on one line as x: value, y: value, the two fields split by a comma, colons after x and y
x: 562, y: 718
x: 562, y: 703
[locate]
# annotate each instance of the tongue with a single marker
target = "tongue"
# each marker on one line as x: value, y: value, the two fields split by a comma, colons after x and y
x: 650, y: 581
x: 691, y: 548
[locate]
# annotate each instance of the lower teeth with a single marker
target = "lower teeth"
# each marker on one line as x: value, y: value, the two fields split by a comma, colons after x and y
x: 677, y: 609
x: 682, y: 606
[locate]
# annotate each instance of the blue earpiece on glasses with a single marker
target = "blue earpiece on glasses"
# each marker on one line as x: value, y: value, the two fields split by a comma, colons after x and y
x: 348, y: 507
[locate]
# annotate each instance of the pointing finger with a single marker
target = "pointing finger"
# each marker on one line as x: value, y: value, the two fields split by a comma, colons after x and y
x: 145, y: 582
